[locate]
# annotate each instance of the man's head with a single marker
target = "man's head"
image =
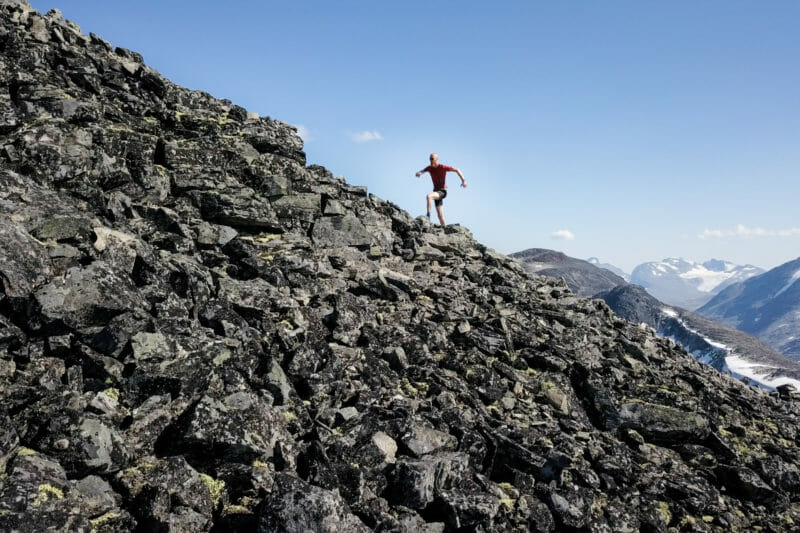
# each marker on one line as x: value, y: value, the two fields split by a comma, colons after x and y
x: 434, y: 160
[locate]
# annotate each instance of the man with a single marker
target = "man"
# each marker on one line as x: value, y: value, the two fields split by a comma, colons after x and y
x: 438, y: 174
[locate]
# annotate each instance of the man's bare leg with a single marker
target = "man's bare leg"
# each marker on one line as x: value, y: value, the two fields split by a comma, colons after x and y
x: 432, y: 196
x: 441, y: 215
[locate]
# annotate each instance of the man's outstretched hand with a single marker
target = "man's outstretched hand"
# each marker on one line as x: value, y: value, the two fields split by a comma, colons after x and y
x: 464, y: 184
x: 419, y: 174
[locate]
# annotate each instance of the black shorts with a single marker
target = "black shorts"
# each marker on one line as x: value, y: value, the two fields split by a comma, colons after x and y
x: 442, y: 196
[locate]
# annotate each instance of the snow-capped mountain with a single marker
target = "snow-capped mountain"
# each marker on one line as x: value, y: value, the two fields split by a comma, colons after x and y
x: 608, y: 266
x: 716, y: 344
x: 689, y: 284
x: 767, y: 306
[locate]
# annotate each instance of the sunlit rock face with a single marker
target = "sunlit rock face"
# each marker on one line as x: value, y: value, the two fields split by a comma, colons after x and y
x: 200, y: 332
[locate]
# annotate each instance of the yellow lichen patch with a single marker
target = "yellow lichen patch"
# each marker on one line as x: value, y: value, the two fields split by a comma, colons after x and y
x: 509, y: 356
x: 769, y: 426
x: 259, y: 464
x: 688, y: 521
x: 507, y: 487
x: 407, y: 388
x: 708, y: 519
x: 222, y: 357
x: 112, y: 393
x: 508, y: 502
x: 266, y: 237
x: 42, y: 243
x: 663, y: 510
x: 102, y: 520
x: 215, y: 487
x: 424, y: 301
x: 289, y: 416
x: 23, y: 451
x: 235, y: 509
x: 47, y: 492
x: 599, y: 504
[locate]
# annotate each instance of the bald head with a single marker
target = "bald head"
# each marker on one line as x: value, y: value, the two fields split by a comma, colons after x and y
x: 434, y: 159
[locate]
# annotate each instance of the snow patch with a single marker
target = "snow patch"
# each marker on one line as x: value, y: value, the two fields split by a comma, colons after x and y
x: 755, y: 371
x: 707, y: 280
x: 669, y: 312
x: 716, y: 344
x: 737, y: 365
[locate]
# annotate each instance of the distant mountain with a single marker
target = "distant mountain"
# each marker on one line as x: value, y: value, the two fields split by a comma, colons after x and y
x: 583, y: 278
x: 689, y: 284
x: 608, y: 266
x: 767, y: 306
x: 718, y: 345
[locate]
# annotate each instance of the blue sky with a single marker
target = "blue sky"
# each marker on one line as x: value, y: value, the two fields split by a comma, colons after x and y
x: 631, y: 131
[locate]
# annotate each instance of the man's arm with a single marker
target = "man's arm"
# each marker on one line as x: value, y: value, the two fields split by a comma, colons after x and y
x: 421, y: 172
x: 460, y: 175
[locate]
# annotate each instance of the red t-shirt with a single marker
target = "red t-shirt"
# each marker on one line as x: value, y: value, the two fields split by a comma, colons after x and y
x: 438, y: 175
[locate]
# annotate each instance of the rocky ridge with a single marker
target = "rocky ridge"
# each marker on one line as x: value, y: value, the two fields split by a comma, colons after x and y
x: 199, y: 332
x: 582, y: 277
x: 721, y: 346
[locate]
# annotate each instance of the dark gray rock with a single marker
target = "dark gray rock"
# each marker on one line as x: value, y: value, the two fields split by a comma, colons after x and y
x: 422, y: 440
x: 240, y: 427
x: 198, y: 332
x: 417, y: 481
x: 297, y: 506
x: 664, y: 424
x: 85, y: 297
x: 338, y: 231
x: 169, y: 493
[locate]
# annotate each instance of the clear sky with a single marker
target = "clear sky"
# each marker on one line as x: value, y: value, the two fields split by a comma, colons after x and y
x: 627, y: 130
